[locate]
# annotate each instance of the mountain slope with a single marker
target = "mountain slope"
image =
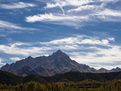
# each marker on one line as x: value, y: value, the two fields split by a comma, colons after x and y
x: 9, y: 78
x: 56, y: 63
x: 24, y: 71
x: 77, y: 76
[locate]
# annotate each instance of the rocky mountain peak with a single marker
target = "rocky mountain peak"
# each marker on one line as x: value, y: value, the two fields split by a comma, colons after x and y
x: 29, y: 58
x: 59, y: 53
x: 116, y: 69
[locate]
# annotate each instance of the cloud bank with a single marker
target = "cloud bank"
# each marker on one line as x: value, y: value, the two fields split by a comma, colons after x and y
x: 84, y: 49
x: 18, y: 5
x: 76, y: 12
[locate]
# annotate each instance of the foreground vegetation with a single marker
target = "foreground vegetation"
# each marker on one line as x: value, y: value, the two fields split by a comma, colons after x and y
x: 71, y: 81
x: 87, y: 85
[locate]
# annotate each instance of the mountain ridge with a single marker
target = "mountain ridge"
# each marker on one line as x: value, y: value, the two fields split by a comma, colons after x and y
x: 12, y: 79
x: 57, y: 63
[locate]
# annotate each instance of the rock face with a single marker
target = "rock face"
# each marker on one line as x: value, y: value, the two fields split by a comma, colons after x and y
x: 56, y: 63
x: 102, y: 70
x: 117, y: 69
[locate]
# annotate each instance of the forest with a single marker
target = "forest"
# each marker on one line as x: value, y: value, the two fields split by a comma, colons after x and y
x: 65, y: 85
x: 71, y: 81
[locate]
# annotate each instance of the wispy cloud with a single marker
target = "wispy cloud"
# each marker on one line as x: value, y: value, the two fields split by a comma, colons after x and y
x: 15, y: 58
x: 17, y: 49
x: 1, y: 63
x: 18, y: 5
x: 76, y: 12
x: 82, y: 8
x: 62, y: 3
x: 9, y: 25
x: 109, y: 15
x: 57, y: 19
x: 1, y: 60
x: 109, y: 12
x: 84, y: 49
x: 80, y: 39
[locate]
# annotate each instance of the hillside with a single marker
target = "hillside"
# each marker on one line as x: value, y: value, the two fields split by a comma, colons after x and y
x: 8, y: 78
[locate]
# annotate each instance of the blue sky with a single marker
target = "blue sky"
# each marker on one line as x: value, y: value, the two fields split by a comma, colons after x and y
x: 87, y: 30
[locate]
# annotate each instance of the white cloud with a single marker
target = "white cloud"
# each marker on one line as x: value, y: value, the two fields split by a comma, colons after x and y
x: 17, y: 5
x: 75, y: 3
x: 62, y: 3
x: 74, y: 12
x: 1, y: 60
x: 81, y: 8
x: 9, y: 25
x: 70, y: 43
x: 109, y: 12
x: 108, y: 15
x: 69, y: 40
x: 79, y: 40
x: 95, y: 41
x: 51, y: 17
x: 51, y: 5
x: 14, y: 49
x: 5, y: 24
x: 102, y: 55
x: 83, y: 49
x: 109, y: 0
x: 15, y: 58
x: 1, y: 63
x: 58, y: 19
x: 61, y: 18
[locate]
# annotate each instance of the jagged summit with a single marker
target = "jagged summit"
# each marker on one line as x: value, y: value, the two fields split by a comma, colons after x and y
x: 102, y: 70
x: 30, y: 58
x: 60, y: 53
x: 117, y: 69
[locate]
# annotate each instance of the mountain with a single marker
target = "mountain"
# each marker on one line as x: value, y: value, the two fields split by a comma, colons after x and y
x: 24, y: 71
x: 56, y: 63
x: 9, y: 78
x: 117, y: 69
x: 103, y: 70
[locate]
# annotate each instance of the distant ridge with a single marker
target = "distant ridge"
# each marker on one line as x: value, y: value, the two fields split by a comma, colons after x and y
x: 11, y: 79
x: 57, y: 63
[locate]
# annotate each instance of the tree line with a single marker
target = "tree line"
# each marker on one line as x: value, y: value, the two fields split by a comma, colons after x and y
x: 65, y: 85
